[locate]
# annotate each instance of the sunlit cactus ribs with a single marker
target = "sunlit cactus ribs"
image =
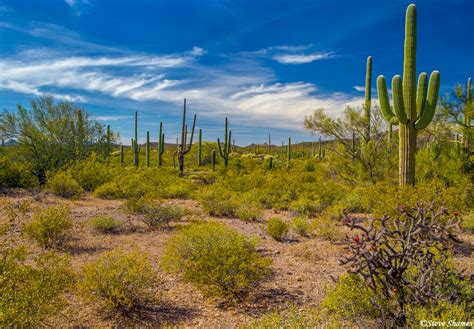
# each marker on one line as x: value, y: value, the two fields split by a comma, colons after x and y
x: 183, y: 147
x: 413, y: 108
x: 225, y: 150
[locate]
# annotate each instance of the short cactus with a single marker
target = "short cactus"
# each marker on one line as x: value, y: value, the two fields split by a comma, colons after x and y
x: 225, y: 151
x: 414, y: 108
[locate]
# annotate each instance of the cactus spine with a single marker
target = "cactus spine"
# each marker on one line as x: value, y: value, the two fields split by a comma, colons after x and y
x: 224, y: 152
x: 467, y: 116
x: 147, y: 156
x: 414, y: 108
x: 200, y: 148
x: 161, y: 145
x: 121, y: 154
x: 288, y: 154
x: 135, y: 145
x: 184, y: 148
x: 368, y: 96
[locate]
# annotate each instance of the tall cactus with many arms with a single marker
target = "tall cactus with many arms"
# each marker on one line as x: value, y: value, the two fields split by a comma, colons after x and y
x: 161, y: 145
x: 184, y: 148
x: 368, y: 97
x: 414, y: 108
x: 224, y: 152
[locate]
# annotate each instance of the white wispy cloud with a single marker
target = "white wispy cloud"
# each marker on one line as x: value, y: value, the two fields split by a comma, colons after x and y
x: 241, y: 87
x: 303, y: 58
x: 287, y: 54
x: 78, y: 6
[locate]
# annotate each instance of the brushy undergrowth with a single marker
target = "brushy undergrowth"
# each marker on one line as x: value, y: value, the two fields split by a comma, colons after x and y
x: 105, y: 224
x: 218, y: 259
x: 49, y: 227
x: 64, y: 185
x: 31, y: 289
x: 119, y: 280
x: 277, y: 228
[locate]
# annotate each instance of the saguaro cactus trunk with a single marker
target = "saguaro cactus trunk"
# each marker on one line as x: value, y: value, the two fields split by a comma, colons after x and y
x: 368, y: 97
x: 413, y: 109
x: 467, y: 133
x: 135, y: 145
x: 147, y: 148
x: 183, y: 147
x: 225, y: 151
x: 200, y: 148
x: 288, y: 155
x: 161, y: 145
x: 121, y: 154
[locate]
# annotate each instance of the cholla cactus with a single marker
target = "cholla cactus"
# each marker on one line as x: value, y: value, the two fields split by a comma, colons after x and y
x: 414, y: 108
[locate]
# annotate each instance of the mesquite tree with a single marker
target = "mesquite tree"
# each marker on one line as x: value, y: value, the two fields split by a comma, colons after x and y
x: 413, y: 108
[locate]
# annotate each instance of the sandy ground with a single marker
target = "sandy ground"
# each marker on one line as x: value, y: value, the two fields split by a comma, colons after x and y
x: 302, y: 266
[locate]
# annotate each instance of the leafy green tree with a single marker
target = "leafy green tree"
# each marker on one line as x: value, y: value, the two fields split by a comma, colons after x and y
x: 52, y: 133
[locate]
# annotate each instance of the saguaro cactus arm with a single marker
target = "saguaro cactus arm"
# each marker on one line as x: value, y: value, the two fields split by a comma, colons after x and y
x: 431, y: 101
x: 385, y: 107
x: 398, y: 104
x: 188, y: 148
x: 421, y: 94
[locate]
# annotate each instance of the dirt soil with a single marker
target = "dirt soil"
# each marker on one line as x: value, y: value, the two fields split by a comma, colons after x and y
x: 301, y: 267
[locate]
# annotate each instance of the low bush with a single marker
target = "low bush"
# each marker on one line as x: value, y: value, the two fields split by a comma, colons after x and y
x: 14, y: 174
x: 218, y: 202
x: 249, y: 211
x: 63, y: 185
x: 109, y: 190
x: 218, y: 259
x: 105, y: 224
x: 325, y: 228
x: 291, y: 318
x: 119, y: 280
x: 153, y: 212
x: 50, y: 226
x: 277, y: 228
x: 301, y: 225
x: 467, y: 223
x: 31, y: 289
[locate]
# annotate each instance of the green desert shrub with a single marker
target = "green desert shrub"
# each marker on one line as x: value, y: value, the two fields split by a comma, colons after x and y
x: 154, y: 213
x: 90, y: 173
x: 218, y: 202
x: 441, y: 311
x: 350, y: 298
x: 14, y: 174
x: 105, y: 224
x: 50, y: 226
x: 218, y: 259
x: 31, y: 289
x: 291, y: 318
x: 248, y: 211
x: 467, y: 223
x: 109, y: 190
x: 325, y: 228
x: 119, y: 280
x: 64, y: 185
x: 301, y: 226
x: 277, y: 228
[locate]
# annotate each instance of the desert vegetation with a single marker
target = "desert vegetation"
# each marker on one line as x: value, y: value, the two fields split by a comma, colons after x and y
x: 371, y: 225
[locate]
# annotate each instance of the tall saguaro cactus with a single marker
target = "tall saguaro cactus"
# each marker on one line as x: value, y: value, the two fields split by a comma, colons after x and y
x: 288, y: 154
x: 368, y: 97
x: 161, y: 145
x: 269, y: 144
x: 184, y: 148
x: 108, y: 146
x: 467, y: 116
x: 121, y: 154
x: 414, y: 107
x: 147, y: 155
x: 225, y: 151
x: 135, y: 145
x: 200, y: 148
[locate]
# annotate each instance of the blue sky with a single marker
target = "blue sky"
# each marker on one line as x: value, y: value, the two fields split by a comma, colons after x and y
x: 264, y: 64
